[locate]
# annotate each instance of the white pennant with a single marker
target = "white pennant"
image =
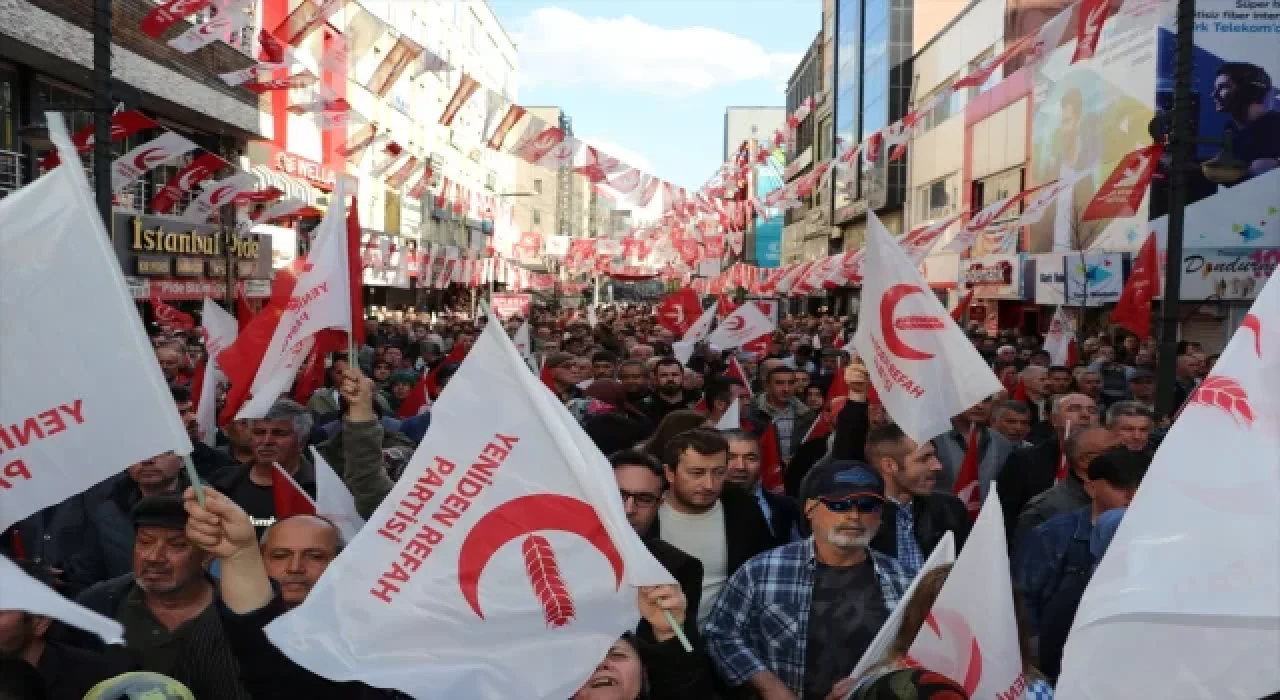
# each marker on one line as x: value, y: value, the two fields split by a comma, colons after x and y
x: 732, y: 418
x: 742, y: 326
x: 137, y: 162
x: 18, y: 591
x: 220, y: 330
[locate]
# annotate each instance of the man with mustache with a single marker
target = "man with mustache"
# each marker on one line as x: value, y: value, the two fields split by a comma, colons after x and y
x: 793, y: 621
x: 168, y: 604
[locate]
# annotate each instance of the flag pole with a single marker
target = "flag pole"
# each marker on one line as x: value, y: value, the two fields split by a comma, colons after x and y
x: 684, y: 641
x: 194, y: 478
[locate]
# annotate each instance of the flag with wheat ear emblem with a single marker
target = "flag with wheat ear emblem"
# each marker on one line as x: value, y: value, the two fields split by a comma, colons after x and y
x: 500, y: 566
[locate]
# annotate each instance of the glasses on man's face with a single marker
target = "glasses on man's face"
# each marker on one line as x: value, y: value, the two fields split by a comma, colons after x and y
x: 646, y: 500
x: 862, y: 504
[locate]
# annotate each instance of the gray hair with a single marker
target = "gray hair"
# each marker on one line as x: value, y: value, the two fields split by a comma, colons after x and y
x: 739, y: 435
x: 1128, y: 408
x: 1030, y: 370
x: 1057, y: 401
x: 1010, y: 405
x: 294, y: 412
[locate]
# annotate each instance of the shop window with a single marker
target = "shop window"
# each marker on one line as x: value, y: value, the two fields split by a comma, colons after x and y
x: 991, y: 189
x: 537, y: 216
x: 537, y: 188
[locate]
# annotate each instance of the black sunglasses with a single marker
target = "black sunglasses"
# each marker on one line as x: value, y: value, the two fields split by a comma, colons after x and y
x: 863, y: 504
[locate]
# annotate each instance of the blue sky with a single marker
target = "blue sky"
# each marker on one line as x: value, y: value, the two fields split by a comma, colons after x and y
x: 649, y: 80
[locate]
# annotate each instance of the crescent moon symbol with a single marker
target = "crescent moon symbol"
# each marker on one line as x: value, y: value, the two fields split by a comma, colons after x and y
x: 521, y: 516
x: 1254, y: 324
x: 143, y: 160
x: 735, y: 323
x: 888, y: 306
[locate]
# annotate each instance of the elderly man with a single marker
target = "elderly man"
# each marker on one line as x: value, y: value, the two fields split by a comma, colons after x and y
x: 1083, y: 446
x: 1012, y: 419
x: 168, y: 604
x: 793, y: 621
x: 1132, y: 423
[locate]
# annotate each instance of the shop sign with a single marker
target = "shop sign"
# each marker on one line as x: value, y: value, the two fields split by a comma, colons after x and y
x: 1226, y: 273
x: 140, y: 288
x: 315, y: 173
x: 993, y: 276
x: 508, y: 305
x: 162, y: 246
x: 1093, y: 279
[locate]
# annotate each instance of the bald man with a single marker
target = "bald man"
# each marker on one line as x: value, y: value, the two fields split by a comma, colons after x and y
x: 1083, y: 447
x: 296, y: 551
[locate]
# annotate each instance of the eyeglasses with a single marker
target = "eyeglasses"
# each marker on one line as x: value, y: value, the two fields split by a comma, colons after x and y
x: 863, y: 504
x: 646, y: 500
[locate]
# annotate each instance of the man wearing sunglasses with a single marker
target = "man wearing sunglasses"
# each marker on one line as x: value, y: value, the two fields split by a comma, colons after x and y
x: 792, y: 621
x: 915, y: 516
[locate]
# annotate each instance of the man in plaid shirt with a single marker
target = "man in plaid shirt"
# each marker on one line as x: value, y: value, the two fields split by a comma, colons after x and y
x: 792, y: 621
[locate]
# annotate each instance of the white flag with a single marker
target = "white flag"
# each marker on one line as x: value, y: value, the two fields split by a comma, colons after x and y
x: 523, y: 343
x: 500, y: 566
x: 944, y: 553
x: 921, y: 364
x: 74, y: 409
x: 682, y: 350
x: 220, y: 331
x: 1059, y: 340
x: 231, y: 18
x: 334, y: 501
x: 157, y: 151
x: 217, y: 194
x: 741, y: 327
x: 320, y: 300
x: 971, y: 634
x: 1186, y: 601
x: 18, y: 591
x: 700, y: 328
x: 731, y: 420
x: 281, y: 208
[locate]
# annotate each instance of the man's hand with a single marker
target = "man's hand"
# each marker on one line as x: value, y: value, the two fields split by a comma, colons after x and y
x: 219, y: 527
x: 357, y: 394
x: 857, y: 378
x: 653, y: 600
x: 841, y: 689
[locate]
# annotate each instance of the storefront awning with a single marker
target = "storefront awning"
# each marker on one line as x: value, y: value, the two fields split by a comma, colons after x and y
x: 292, y: 187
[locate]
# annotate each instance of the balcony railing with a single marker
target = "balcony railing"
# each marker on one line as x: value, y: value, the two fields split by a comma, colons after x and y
x: 10, y: 172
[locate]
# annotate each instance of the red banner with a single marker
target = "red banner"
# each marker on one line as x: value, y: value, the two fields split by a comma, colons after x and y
x: 466, y: 88
x: 123, y: 125
x: 169, y: 14
x: 197, y: 171
x: 1121, y: 194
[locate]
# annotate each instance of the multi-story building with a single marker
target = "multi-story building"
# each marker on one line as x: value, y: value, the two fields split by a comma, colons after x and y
x: 800, y: 240
x: 872, y: 91
x: 46, y: 60
x: 750, y: 124
x: 551, y: 202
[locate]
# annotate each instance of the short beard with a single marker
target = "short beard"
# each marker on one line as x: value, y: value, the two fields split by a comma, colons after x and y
x: 849, y: 542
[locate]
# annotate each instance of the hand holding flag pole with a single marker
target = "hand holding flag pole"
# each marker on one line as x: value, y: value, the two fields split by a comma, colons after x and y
x: 194, y: 478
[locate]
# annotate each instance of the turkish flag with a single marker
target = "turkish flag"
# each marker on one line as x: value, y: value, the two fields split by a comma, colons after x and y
x: 678, y: 311
x: 167, y: 315
x: 241, y: 359
x: 1133, y: 311
x: 771, y: 460
x: 968, y: 488
x: 288, y: 497
x: 958, y: 313
x: 1123, y: 191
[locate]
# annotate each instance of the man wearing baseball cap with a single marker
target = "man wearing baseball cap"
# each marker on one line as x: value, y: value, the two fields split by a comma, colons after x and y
x: 792, y: 621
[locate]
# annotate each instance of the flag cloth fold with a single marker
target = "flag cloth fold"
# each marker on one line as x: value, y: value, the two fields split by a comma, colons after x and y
x: 18, y: 591
x: 968, y: 487
x: 506, y: 537
x: 1133, y: 311
x: 1183, y: 603
x: 220, y: 331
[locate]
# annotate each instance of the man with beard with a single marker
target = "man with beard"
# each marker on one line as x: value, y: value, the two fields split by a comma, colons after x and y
x: 634, y: 377
x: 168, y: 605
x: 668, y: 390
x: 719, y: 525
x: 915, y: 516
x: 603, y: 364
x: 793, y: 621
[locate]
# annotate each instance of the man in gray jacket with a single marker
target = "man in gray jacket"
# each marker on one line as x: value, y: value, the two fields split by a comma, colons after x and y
x: 993, y: 448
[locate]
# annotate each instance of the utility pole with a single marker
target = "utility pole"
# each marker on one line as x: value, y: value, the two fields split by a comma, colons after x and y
x: 102, y: 110
x: 1180, y: 142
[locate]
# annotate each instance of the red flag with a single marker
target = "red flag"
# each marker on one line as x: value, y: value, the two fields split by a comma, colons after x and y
x: 726, y: 307
x: 547, y: 376
x: 355, y: 277
x: 241, y: 359
x: 771, y: 460
x: 417, y: 398
x: 701, y: 406
x: 167, y: 315
x: 958, y: 313
x: 514, y: 114
x: 968, y: 487
x: 679, y: 311
x: 1124, y: 189
x: 1020, y: 392
x: 244, y: 313
x: 819, y: 429
x: 311, y: 377
x: 457, y: 354
x: 839, y: 388
x: 288, y: 497
x: 734, y: 370
x: 1133, y: 311
x: 1092, y: 15
x: 123, y: 125
x: 198, y: 170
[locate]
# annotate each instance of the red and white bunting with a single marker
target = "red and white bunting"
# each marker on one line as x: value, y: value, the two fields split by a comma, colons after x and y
x: 168, y: 14
x: 231, y: 18
x: 217, y: 194
x: 137, y: 162
x: 198, y: 170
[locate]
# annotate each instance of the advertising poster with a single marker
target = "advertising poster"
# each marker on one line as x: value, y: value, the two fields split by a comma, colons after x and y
x: 1088, y: 116
x: 993, y: 276
x: 506, y: 305
x: 769, y: 242
x: 1234, y: 100
x: 1093, y: 279
x: 1226, y: 274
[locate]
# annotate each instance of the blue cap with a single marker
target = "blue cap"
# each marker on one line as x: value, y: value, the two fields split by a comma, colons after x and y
x: 842, y: 478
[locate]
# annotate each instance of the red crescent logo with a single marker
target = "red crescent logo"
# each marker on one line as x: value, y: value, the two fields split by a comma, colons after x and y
x: 219, y: 193
x: 527, y: 515
x: 149, y: 157
x: 1254, y: 324
x: 735, y: 323
x: 960, y: 637
x: 889, y: 325
x: 191, y: 176
x: 182, y: 8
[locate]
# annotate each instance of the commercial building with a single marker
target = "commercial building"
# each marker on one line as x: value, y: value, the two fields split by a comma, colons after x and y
x: 46, y: 51
x: 553, y: 201
x: 800, y: 239
x: 750, y: 124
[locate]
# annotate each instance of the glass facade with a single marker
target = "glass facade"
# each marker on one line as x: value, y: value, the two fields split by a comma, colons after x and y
x: 848, y: 81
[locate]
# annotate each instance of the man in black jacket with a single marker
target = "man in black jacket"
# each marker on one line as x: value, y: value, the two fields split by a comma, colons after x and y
x: 641, y: 484
x: 915, y: 517
x: 720, y: 525
x: 780, y: 512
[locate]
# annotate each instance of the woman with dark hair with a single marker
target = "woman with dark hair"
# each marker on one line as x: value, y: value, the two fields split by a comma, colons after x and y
x: 609, y: 419
x: 675, y: 423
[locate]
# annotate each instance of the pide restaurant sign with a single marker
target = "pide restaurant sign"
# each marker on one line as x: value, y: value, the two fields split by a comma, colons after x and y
x: 993, y: 276
x: 160, y: 246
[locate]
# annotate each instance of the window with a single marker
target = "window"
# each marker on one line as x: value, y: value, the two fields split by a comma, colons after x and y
x: 994, y: 188
x: 537, y: 216
x: 936, y: 200
x: 537, y: 187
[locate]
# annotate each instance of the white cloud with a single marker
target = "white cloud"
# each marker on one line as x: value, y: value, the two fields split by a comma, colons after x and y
x: 622, y: 153
x: 559, y: 46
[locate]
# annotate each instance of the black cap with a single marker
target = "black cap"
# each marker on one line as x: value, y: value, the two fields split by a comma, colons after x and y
x: 160, y: 511
x: 1120, y: 467
x: 842, y: 478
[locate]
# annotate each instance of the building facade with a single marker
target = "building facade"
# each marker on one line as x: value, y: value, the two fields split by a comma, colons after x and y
x: 46, y: 61
x: 750, y: 124
x: 800, y: 241
x: 553, y: 201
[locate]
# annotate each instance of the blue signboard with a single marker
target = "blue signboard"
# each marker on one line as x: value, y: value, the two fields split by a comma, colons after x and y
x: 769, y: 242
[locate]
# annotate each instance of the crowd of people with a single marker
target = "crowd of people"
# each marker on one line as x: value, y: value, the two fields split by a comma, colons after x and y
x: 781, y: 586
